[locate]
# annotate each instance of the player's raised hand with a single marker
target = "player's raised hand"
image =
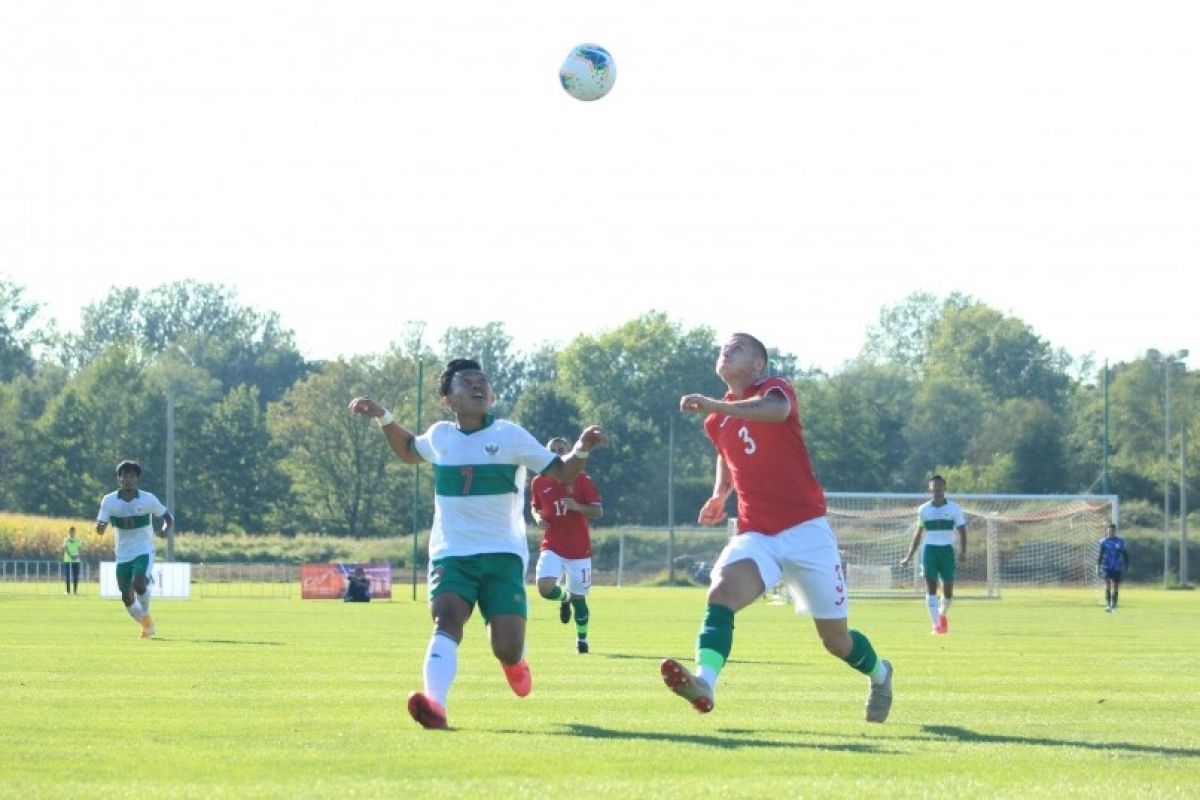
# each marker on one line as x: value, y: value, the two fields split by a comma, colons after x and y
x: 695, y: 404
x: 366, y: 406
x: 591, y: 438
x: 713, y: 511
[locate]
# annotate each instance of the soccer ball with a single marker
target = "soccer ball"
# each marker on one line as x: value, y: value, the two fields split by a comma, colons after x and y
x: 588, y: 73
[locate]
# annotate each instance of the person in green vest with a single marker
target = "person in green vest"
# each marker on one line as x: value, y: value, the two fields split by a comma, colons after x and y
x: 71, y: 549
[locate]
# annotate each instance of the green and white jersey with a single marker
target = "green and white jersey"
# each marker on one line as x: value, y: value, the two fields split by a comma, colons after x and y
x: 133, y: 521
x: 940, y: 522
x: 479, y: 487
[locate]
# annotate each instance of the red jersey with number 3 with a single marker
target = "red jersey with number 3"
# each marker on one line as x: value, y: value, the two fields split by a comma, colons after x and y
x: 772, y: 474
x: 568, y: 532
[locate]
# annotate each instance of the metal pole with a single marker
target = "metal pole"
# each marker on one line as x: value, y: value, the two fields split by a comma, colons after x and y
x: 417, y: 477
x: 671, y: 499
x: 1183, y: 507
x: 1104, y: 473
x: 170, y: 468
x: 1167, y: 475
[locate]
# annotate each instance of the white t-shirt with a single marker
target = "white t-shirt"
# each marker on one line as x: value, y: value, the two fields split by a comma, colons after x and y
x: 940, y: 522
x: 479, y: 487
x: 133, y: 522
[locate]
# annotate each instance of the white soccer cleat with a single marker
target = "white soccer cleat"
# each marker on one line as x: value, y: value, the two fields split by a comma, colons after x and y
x: 879, y: 697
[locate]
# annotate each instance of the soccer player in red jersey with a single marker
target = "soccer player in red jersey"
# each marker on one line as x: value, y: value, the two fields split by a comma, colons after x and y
x: 563, y: 511
x: 782, y: 530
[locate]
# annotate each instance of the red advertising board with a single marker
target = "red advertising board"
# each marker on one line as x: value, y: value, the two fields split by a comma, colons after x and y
x: 328, y: 581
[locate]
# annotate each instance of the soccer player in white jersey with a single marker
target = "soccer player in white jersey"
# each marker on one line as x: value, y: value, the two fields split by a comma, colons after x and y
x: 478, y: 552
x: 937, y: 520
x: 131, y: 512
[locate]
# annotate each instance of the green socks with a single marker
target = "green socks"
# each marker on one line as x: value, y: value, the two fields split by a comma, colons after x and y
x: 862, y: 655
x: 579, y: 607
x: 716, y: 637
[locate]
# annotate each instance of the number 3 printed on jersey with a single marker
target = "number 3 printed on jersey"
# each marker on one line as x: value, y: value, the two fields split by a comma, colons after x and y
x: 744, y: 434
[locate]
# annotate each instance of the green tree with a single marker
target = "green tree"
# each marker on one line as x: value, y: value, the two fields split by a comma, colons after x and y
x: 344, y: 477
x: 18, y: 332
x: 102, y: 415
x: 998, y: 355
x: 238, y: 480
x: 204, y: 325
x: 629, y: 380
x: 846, y: 445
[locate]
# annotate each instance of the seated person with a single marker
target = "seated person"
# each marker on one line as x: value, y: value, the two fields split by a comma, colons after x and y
x: 358, y: 587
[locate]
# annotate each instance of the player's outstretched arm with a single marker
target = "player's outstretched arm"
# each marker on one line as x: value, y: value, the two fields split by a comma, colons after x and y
x: 771, y: 407
x: 569, y: 466
x: 399, y: 439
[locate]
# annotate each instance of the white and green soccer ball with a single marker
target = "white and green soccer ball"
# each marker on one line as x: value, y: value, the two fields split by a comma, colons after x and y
x: 588, y: 73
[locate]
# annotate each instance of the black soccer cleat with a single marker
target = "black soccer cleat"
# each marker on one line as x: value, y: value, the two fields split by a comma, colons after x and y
x: 564, y: 611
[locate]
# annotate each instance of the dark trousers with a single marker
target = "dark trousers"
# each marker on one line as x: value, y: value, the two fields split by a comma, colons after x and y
x: 71, y: 576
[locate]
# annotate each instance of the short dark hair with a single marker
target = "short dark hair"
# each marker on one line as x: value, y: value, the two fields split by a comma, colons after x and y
x: 453, y: 367
x: 937, y: 478
x: 759, y: 347
x: 129, y: 465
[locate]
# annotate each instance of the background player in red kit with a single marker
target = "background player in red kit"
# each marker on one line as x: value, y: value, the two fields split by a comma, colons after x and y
x: 563, y: 510
x: 782, y: 530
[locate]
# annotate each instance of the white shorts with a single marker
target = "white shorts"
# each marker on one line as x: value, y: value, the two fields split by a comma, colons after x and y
x: 579, y: 571
x: 804, y: 557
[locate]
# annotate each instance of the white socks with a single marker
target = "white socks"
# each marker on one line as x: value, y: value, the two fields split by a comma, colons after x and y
x: 931, y: 601
x: 144, y: 600
x: 946, y: 604
x: 136, y: 611
x: 708, y: 675
x: 441, y: 665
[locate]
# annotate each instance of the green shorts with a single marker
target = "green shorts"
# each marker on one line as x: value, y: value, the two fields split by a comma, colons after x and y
x: 496, y: 581
x: 127, y: 569
x: 939, y: 562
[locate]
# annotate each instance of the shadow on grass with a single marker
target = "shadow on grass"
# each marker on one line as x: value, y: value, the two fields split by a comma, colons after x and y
x: 964, y: 735
x: 733, y: 661
x: 249, y: 642
x: 722, y: 742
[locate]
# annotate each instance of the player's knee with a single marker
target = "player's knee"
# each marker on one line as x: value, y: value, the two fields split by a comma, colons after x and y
x: 837, y: 643
x: 508, y: 652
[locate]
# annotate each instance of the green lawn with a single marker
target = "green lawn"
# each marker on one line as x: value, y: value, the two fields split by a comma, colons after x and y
x: 1041, y: 694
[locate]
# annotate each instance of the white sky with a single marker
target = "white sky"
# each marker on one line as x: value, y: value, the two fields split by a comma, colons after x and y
x: 783, y: 167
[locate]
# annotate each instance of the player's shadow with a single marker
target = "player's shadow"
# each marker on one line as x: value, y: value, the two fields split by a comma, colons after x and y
x: 248, y: 642
x: 964, y: 735
x: 722, y: 742
x: 656, y: 659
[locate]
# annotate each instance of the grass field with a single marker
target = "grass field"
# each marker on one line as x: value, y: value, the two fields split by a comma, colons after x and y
x: 1041, y: 694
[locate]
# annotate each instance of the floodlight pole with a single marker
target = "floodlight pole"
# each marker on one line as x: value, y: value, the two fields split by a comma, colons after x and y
x: 1183, y: 508
x: 1167, y: 474
x: 169, y: 471
x: 417, y: 476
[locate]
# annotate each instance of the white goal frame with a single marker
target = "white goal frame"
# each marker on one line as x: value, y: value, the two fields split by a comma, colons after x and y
x: 1012, y: 540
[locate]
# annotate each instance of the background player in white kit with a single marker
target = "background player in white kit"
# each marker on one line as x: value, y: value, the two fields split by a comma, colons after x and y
x: 937, y: 520
x: 131, y: 511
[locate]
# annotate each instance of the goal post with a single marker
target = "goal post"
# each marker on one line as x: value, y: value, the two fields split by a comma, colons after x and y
x: 1013, y: 540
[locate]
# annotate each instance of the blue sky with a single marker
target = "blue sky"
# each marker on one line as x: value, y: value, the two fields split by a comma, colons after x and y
x: 786, y: 168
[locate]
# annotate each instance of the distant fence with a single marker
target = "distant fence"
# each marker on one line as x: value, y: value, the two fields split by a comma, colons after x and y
x: 43, y: 577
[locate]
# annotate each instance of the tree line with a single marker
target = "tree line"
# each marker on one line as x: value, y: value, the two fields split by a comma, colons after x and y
x: 263, y: 442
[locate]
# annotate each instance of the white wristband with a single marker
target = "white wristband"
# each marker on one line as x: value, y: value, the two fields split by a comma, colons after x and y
x: 386, y: 419
x: 577, y: 453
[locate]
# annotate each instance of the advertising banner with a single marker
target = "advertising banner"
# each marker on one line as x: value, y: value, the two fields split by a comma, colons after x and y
x: 328, y: 581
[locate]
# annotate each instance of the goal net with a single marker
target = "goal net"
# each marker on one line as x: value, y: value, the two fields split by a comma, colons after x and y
x: 1012, y: 540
